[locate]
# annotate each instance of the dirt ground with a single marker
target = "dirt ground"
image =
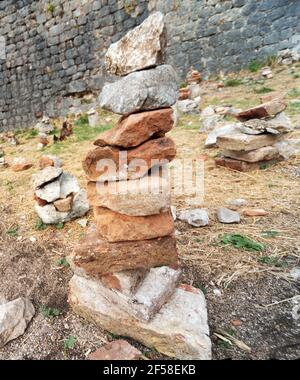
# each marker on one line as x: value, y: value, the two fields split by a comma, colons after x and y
x: 250, y: 295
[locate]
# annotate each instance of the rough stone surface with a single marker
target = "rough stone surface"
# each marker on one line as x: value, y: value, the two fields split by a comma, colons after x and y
x: 50, y: 192
x: 255, y: 212
x: 125, y: 282
x: 190, y: 106
x: 50, y: 215
x: 262, y: 154
x: 141, y: 91
x: 268, y: 109
x: 141, y: 48
x: 94, y: 257
x: 225, y: 130
x: 46, y: 175
x: 68, y: 185
x: 196, y: 217
x: 148, y: 195
x: 131, y: 164
x: 64, y: 205
x: 117, y: 350
x: 239, y: 202
x: 276, y: 125
x: 49, y: 160
x: 20, y: 164
x: 179, y: 330
x: 288, y: 148
x: 116, y: 227
x: 14, y: 318
x: 137, y: 128
x: 238, y: 165
x: 228, y: 216
x: 243, y: 142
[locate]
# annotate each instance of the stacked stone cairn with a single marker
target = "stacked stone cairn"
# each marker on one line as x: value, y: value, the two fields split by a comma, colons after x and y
x: 126, y: 274
x: 57, y: 193
x: 255, y: 141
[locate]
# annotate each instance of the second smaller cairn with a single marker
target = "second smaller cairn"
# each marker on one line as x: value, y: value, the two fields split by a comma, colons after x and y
x: 254, y: 144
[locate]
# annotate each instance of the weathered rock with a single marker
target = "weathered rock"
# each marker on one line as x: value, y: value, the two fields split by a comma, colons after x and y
x: 266, y: 72
x: 141, y: 91
x: 262, y: 154
x: 44, y: 126
x: 196, y: 217
x: 3, y: 163
x: 255, y: 212
x: 116, y: 227
x: 68, y: 185
x: 295, y: 273
x: 225, y: 130
x: 228, y: 216
x: 241, y: 166
x: 239, y: 202
x: 49, y: 160
x: 278, y: 124
x: 287, y: 57
x: 189, y: 105
x: 210, y: 123
x: 64, y: 205
x: 137, y: 128
x: 179, y: 330
x: 243, y: 142
x: 131, y: 164
x: 184, y: 93
x: 50, y: 192
x: 14, y: 318
x: 116, y: 350
x: 125, y: 282
x: 50, y: 215
x: 268, y: 109
x: 288, y: 148
x: 148, y: 195
x: 20, y: 163
x: 93, y: 118
x: 94, y: 257
x: 193, y: 76
x: 194, y: 91
x: 141, y: 48
x: 46, y: 175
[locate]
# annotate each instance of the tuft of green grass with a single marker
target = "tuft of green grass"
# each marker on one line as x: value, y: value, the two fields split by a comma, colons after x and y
x: 200, y: 286
x: 272, y: 261
x: 223, y: 344
x: 83, y: 132
x: 13, y: 231
x: 49, y: 312
x: 232, y: 82
x: 242, y: 242
x: 51, y: 8
x: 70, y: 342
x: 63, y: 262
x: 263, y: 90
x: 294, y: 92
x: 40, y: 225
x: 256, y: 65
x: 82, y: 121
x: 59, y: 226
x: 270, y: 234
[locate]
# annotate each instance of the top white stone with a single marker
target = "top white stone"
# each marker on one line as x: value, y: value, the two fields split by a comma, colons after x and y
x: 140, y: 48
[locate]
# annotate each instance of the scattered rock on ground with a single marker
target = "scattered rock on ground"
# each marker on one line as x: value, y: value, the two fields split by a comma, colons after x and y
x: 189, y: 105
x: 255, y: 212
x: 20, y: 164
x: 295, y: 273
x: 196, y: 217
x: 239, y: 202
x: 228, y: 216
x: 49, y: 160
x: 117, y: 350
x: 14, y: 318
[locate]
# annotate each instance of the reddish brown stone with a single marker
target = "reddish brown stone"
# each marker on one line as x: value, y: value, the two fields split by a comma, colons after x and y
x: 116, y: 350
x: 184, y: 93
x: 137, y: 128
x: 240, y: 166
x: 19, y: 164
x: 95, y: 257
x: 255, y: 212
x: 119, y: 227
x: 139, y: 160
x: 268, y: 109
x: 45, y: 161
x: 40, y: 202
x: 64, y: 205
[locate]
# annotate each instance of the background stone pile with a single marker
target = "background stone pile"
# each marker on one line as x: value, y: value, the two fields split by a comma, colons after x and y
x: 126, y: 268
x: 256, y: 140
x: 57, y: 193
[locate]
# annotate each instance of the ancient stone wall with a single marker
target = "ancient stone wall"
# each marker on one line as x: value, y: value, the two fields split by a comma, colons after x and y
x: 54, y: 49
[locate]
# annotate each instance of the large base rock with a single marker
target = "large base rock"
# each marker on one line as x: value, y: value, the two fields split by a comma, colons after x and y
x: 241, y: 166
x: 179, y: 330
x: 141, y: 91
x: 14, y: 318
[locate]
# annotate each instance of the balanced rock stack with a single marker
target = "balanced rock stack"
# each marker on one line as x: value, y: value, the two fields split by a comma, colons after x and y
x: 57, y: 194
x: 126, y: 274
x: 255, y: 141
